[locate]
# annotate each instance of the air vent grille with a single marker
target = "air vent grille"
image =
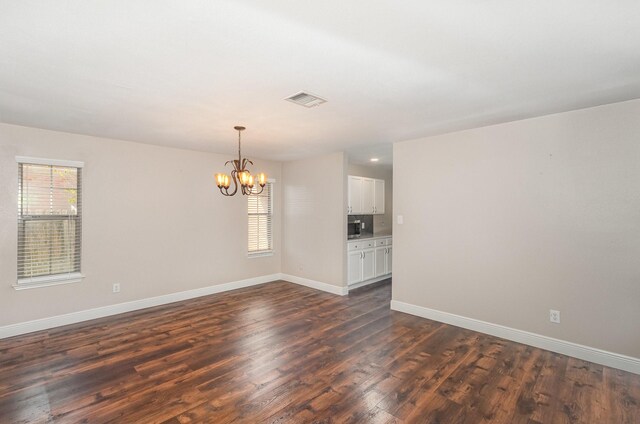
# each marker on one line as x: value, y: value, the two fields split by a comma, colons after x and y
x: 306, y: 99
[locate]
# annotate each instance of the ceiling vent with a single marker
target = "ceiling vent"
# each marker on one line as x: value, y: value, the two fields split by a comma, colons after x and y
x: 306, y: 99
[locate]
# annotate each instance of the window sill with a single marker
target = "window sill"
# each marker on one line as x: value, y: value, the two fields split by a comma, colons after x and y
x: 48, y: 280
x: 260, y: 254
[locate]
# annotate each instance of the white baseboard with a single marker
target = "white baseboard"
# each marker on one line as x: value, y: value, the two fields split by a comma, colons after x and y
x: 366, y: 283
x: 330, y: 288
x: 591, y: 354
x: 105, y: 311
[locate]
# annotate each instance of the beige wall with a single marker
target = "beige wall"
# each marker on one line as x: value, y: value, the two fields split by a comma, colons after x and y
x: 314, y: 209
x: 153, y: 221
x: 381, y: 223
x: 509, y: 221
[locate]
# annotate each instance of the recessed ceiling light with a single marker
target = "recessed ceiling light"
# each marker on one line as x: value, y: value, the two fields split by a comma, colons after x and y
x: 374, y: 159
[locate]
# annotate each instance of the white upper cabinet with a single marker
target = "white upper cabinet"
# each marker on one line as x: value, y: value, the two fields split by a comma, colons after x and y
x: 355, y: 195
x: 366, y: 196
x: 378, y: 195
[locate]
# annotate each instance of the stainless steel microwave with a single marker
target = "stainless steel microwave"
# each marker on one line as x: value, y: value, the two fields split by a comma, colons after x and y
x: 354, y: 228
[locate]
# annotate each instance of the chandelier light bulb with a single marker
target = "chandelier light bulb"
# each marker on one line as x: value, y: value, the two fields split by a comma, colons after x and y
x: 262, y: 179
x: 220, y: 180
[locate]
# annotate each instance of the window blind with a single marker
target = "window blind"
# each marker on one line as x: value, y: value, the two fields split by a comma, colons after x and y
x: 260, y: 211
x: 49, y: 220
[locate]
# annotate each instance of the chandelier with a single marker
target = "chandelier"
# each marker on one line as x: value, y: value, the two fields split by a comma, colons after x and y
x: 240, y: 175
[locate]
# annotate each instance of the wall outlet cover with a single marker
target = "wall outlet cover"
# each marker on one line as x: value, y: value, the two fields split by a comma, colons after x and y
x: 554, y: 316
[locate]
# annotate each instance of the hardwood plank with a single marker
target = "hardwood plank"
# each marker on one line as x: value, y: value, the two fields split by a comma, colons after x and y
x: 280, y: 353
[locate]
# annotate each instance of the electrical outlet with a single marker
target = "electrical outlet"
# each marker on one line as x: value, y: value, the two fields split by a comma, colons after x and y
x: 554, y: 316
x: 116, y: 287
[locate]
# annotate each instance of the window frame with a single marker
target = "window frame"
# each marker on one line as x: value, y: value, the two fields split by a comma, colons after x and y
x: 270, y: 252
x: 51, y: 279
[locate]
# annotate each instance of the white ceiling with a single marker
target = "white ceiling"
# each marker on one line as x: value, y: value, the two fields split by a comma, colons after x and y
x: 183, y: 72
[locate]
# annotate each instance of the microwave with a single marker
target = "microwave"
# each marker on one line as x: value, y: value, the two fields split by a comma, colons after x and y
x: 353, y: 228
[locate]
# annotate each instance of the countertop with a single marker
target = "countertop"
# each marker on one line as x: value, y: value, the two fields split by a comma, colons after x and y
x: 370, y: 237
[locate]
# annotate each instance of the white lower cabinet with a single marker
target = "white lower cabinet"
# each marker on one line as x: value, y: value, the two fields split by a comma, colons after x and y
x: 368, y: 259
x: 381, y: 260
x: 389, y: 259
x: 354, y: 266
x: 368, y: 264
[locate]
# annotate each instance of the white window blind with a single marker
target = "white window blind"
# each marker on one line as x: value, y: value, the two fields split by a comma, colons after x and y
x: 49, y: 222
x: 260, y: 211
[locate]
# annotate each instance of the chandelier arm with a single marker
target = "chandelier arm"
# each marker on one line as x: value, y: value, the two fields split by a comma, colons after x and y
x: 253, y: 190
x: 235, y: 184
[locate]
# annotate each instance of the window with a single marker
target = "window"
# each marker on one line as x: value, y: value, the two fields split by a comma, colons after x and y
x: 260, y: 210
x: 49, y: 222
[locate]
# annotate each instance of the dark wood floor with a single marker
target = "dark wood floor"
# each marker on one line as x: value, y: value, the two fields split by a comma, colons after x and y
x: 285, y: 353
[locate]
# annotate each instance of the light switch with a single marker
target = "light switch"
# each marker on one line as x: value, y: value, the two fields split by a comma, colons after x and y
x: 400, y: 220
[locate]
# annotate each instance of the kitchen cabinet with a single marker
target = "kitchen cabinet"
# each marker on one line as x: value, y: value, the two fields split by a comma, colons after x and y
x: 378, y: 197
x: 368, y: 196
x: 383, y: 253
x: 365, y: 196
x: 368, y: 264
x: 389, y: 259
x: 355, y: 195
x: 381, y: 260
x: 361, y: 265
x: 354, y: 266
x: 368, y: 259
